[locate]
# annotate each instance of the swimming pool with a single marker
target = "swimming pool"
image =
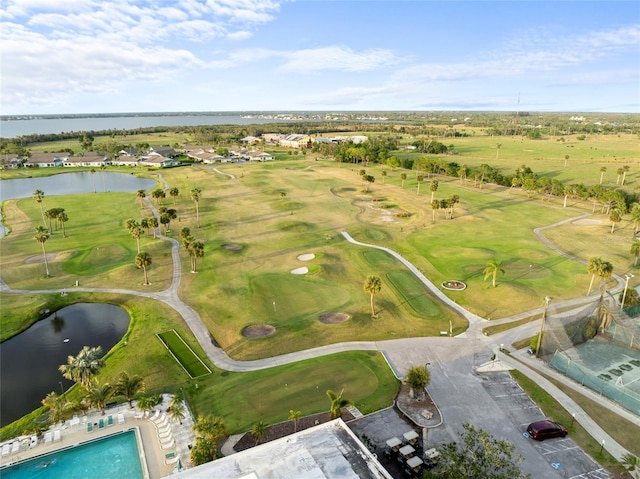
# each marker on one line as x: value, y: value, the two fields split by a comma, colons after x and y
x: 112, y: 456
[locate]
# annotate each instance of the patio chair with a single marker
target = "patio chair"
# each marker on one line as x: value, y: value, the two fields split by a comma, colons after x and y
x: 48, y: 437
x: 120, y: 418
x: 110, y: 421
x: 101, y: 423
x: 89, y: 427
x: 57, y: 435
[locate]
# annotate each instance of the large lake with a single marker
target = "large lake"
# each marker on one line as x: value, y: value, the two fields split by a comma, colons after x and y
x: 15, y: 128
x: 29, y: 361
x: 71, y: 183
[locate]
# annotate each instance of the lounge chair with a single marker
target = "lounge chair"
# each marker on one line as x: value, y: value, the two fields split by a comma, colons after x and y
x: 15, y: 447
x: 171, y: 460
x: 120, y: 418
x: 166, y: 440
x: 155, y: 415
x: 110, y: 421
x: 6, y: 449
x: 101, y: 423
x: 89, y: 427
x: 164, y: 435
x: 138, y: 415
x: 57, y: 435
x: 168, y: 445
x: 48, y: 437
x: 33, y: 441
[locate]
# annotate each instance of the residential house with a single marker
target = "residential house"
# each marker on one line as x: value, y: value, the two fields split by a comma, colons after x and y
x: 166, y: 151
x: 250, y: 140
x: 89, y: 159
x: 259, y: 156
x: 131, y: 152
x: 157, y: 161
x: 10, y: 161
x: 210, y: 158
x: 46, y: 160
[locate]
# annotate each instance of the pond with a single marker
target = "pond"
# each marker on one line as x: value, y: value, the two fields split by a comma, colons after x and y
x: 72, y: 183
x: 29, y: 361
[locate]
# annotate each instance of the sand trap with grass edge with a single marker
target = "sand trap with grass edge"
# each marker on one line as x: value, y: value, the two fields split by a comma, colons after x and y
x: 303, y: 270
x: 306, y: 257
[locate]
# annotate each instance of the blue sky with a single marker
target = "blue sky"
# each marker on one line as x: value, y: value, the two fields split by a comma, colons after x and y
x: 92, y: 56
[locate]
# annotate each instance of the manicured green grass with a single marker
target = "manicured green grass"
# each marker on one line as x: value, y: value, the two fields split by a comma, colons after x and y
x: 268, y: 395
x: 184, y: 354
x: 620, y: 429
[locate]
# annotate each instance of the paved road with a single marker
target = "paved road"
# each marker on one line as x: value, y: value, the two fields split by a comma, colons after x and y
x: 455, y: 385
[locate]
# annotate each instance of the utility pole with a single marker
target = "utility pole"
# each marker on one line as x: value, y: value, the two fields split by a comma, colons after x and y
x: 544, y: 315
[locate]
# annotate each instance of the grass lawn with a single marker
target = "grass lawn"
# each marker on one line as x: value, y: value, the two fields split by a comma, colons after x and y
x: 268, y: 395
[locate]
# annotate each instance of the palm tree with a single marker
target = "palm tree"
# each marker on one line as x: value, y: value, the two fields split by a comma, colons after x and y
x: 625, y: 169
x: 38, y: 195
x: 98, y: 395
x: 369, y: 179
x: 52, y: 214
x: 620, y: 173
x: 143, y: 260
x: 337, y: 403
x: 63, y: 218
x: 129, y: 386
x: 177, y: 410
x: 174, y: 192
x: 135, y: 229
x: 295, y: 417
x: 403, y: 176
x: 464, y: 169
x: 196, y: 250
x: 158, y: 194
x: 593, y: 268
x: 104, y: 186
x: 58, y: 406
x: 195, y: 196
x: 372, y: 285
x: 384, y: 175
x: 631, y: 464
x: 153, y: 223
x: 419, y: 179
x: 433, y: 187
x: 435, y: 205
x: 259, y: 432
x: 635, y: 216
x: 566, y: 158
x: 84, y: 366
x: 615, y: 217
x: 603, y: 170
x: 141, y: 195
x: 498, y: 146
x: 145, y: 403
x: 209, y: 432
x: 42, y: 235
x: 635, y: 251
x: 492, y: 270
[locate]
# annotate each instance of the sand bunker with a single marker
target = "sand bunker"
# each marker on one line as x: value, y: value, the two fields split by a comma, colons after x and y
x: 258, y: 331
x: 232, y: 247
x: 306, y: 257
x: 587, y: 222
x: 333, y: 318
x: 303, y: 270
x: 40, y: 258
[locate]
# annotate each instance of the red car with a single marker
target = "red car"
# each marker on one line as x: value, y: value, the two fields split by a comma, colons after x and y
x: 546, y: 429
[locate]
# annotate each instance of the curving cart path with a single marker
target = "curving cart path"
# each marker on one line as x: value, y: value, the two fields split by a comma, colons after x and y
x: 401, y: 353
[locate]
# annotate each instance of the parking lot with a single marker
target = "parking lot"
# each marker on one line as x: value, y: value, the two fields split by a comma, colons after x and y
x: 512, y: 412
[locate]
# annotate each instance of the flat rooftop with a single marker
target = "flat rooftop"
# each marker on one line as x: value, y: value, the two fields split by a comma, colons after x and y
x: 327, y: 451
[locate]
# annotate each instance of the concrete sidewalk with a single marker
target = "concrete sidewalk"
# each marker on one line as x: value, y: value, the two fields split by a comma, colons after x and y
x: 612, y: 447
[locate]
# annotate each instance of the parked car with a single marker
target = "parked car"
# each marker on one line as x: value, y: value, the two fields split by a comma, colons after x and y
x: 546, y: 429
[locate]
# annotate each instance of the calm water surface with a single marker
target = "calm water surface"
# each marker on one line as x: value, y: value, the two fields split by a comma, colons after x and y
x: 113, y: 456
x: 29, y: 361
x: 15, y: 128
x: 72, y: 183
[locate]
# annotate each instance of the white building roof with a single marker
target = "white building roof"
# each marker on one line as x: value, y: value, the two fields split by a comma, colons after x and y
x: 327, y: 451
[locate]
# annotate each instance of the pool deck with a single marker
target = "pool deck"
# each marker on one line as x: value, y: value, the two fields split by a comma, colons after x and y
x: 75, y: 434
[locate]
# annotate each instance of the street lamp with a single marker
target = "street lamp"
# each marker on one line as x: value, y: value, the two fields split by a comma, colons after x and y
x: 547, y: 299
x: 627, y: 276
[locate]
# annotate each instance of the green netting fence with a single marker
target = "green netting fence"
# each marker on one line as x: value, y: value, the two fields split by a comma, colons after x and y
x: 609, y: 384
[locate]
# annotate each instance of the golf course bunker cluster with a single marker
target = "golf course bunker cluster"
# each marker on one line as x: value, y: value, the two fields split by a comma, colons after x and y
x: 303, y: 269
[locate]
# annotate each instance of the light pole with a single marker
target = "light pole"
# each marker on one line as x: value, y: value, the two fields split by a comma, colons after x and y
x: 547, y: 299
x: 627, y: 277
